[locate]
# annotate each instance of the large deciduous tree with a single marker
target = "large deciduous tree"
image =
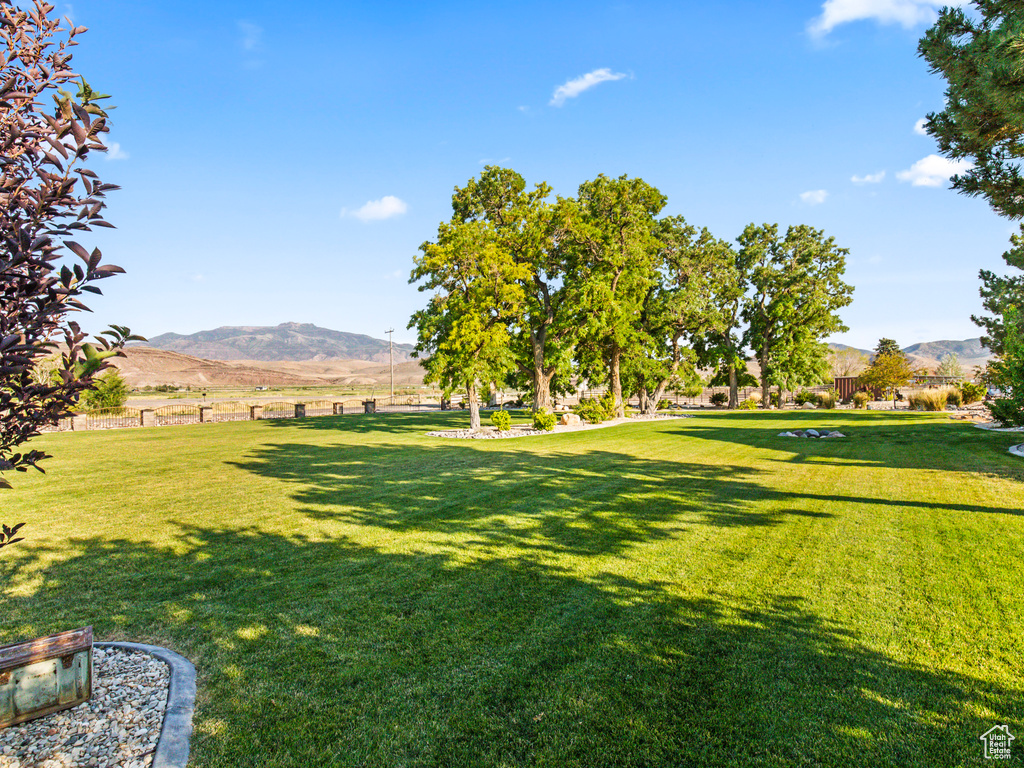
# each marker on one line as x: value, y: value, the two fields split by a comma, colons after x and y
x: 797, y: 292
x: 981, y: 57
x: 47, y: 196
x: 682, y: 309
x: 610, y: 236
x: 463, y: 331
x: 541, y: 333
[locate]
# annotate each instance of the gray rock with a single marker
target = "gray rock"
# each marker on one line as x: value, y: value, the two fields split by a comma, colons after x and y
x: 812, y: 433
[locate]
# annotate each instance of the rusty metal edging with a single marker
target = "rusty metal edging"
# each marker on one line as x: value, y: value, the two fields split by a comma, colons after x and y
x: 173, y: 747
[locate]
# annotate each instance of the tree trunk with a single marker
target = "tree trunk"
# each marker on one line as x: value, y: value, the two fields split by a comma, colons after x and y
x: 764, y: 378
x: 493, y: 402
x: 616, y: 381
x: 734, y: 392
x: 541, y: 380
x: 474, y: 406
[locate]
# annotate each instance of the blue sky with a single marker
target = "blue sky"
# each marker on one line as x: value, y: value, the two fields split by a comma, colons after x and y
x: 284, y: 162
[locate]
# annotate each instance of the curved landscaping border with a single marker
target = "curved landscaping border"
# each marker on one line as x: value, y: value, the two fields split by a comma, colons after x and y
x: 176, y: 731
x: 1017, y: 450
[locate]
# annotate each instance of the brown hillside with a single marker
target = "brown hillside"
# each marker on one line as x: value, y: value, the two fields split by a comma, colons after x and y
x: 145, y: 366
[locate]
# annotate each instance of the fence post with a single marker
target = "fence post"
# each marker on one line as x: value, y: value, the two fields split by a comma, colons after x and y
x: 79, y: 423
x: 255, y: 412
x: 339, y: 409
x: 300, y: 410
x: 147, y: 417
x: 205, y: 413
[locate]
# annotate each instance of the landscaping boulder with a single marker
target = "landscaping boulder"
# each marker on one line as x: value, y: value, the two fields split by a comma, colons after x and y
x: 808, y: 406
x: 569, y: 420
x: 812, y: 433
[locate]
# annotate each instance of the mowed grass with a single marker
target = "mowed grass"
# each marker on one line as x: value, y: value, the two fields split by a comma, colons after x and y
x: 671, y: 593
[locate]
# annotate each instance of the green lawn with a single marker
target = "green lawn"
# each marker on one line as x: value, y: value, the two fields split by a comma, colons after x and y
x: 672, y: 593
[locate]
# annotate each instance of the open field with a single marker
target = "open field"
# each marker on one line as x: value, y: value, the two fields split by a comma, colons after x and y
x: 684, y: 592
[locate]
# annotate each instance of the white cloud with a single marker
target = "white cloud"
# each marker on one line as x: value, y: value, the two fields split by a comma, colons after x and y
x: 919, y: 127
x: 907, y: 13
x: 575, y: 87
x: 814, y: 196
x: 376, y: 210
x: 933, y: 171
x: 868, y: 178
x: 252, y: 35
x: 114, y: 152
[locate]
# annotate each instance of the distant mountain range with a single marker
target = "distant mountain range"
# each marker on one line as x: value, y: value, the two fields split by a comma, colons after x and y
x: 970, y: 352
x: 288, y: 341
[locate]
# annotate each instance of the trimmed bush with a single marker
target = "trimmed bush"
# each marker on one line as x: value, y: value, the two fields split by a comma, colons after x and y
x: 502, y: 420
x: 544, y: 419
x: 750, y: 404
x: 719, y: 398
x: 664, y: 405
x: 591, y: 411
x: 861, y: 399
x: 805, y: 396
x: 775, y: 399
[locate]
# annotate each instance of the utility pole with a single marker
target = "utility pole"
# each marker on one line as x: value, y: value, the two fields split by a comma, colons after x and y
x: 391, y: 353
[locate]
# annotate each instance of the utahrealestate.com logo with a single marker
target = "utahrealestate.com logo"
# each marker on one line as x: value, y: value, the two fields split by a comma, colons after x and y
x: 997, y: 742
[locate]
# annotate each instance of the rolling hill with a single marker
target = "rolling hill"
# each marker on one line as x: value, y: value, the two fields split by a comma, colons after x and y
x: 288, y: 341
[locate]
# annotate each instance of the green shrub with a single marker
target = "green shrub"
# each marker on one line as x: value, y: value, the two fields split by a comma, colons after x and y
x: 750, y: 404
x: 502, y: 420
x: 828, y: 399
x: 719, y: 398
x: 1003, y: 410
x: 664, y: 405
x: 928, y: 400
x: 608, y: 404
x: 775, y: 399
x: 693, y: 390
x: 954, y: 397
x: 861, y: 399
x: 544, y: 419
x: 972, y: 392
x: 805, y: 396
x: 591, y: 411
x: 108, y: 391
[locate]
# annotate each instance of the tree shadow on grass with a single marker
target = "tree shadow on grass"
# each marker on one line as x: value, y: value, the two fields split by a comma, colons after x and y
x: 900, y: 441
x: 327, y: 653
x: 587, y: 502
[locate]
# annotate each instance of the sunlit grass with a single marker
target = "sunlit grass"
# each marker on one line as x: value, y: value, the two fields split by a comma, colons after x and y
x: 686, y: 592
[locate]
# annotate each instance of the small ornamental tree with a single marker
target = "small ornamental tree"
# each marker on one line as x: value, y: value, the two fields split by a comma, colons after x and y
x: 108, y: 391
x: 46, y: 197
x: 949, y: 366
x: 887, y: 372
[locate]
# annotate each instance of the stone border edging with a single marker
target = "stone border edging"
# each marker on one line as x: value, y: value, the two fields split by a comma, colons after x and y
x: 1017, y: 450
x: 990, y: 426
x: 176, y: 731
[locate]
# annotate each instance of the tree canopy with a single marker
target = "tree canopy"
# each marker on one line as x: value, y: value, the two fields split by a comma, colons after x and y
x: 602, y: 288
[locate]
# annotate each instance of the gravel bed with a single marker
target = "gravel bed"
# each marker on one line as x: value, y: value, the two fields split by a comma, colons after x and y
x: 119, y: 726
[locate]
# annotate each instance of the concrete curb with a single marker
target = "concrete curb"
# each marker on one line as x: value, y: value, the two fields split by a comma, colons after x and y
x: 1017, y: 450
x: 172, y: 748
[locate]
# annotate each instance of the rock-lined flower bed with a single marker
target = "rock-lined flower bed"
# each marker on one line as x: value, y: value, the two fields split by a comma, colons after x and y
x: 526, y: 430
x: 119, y: 726
x: 813, y: 433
